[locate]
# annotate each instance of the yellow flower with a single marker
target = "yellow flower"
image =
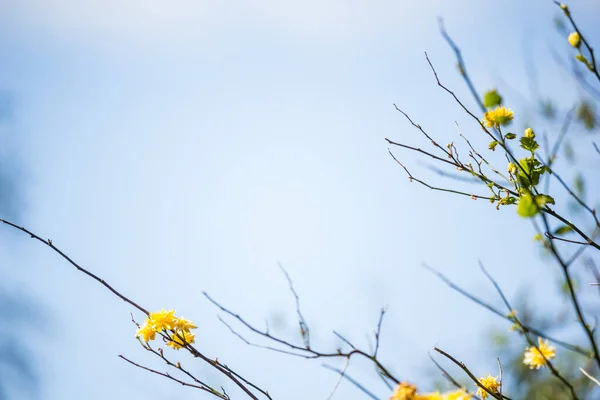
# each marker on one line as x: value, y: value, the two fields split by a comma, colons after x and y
x: 147, y: 332
x: 166, y: 320
x: 575, y: 40
x: 512, y: 168
x: 404, y: 391
x: 537, y: 358
x: 498, y: 116
x: 176, y: 341
x: 430, y: 396
x: 491, y: 383
x: 459, y: 394
x: 184, y: 324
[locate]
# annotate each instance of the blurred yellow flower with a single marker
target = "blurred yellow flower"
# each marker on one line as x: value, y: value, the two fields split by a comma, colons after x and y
x: 459, y: 394
x: 491, y: 383
x: 535, y: 358
x: 498, y: 116
x: 575, y: 39
x: 430, y: 396
x: 404, y: 391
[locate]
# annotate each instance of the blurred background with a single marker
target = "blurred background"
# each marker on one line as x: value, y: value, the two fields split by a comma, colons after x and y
x: 174, y: 148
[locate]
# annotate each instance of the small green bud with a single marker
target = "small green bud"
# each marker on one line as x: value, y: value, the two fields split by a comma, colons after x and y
x: 510, y: 136
x: 493, y: 145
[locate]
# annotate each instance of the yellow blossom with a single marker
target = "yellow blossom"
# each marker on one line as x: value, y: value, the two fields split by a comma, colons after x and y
x: 512, y: 168
x: 535, y: 358
x: 184, y: 324
x: 163, y: 319
x: 430, y: 396
x: 575, y: 39
x: 404, y: 391
x: 147, y: 332
x: 180, y: 338
x: 459, y: 394
x: 491, y: 383
x: 498, y: 116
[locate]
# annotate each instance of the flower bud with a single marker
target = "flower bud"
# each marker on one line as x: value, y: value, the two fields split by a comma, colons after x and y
x: 575, y: 40
x: 529, y: 133
x: 512, y: 168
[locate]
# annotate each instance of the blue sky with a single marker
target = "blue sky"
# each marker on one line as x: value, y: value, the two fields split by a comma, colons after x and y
x: 185, y: 147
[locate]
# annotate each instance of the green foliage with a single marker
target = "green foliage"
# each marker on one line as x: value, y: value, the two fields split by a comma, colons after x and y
x: 579, y: 185
x: 510, y: 136
x: 561, y: 230
x: 542, y: 199
x: 586, y: 114
x: 548, y: 110
x: 491, y: 98
x: 527, y: 207
x: 530, y: 172
x: 529, y: 144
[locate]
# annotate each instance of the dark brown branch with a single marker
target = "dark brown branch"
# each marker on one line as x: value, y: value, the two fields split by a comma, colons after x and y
x: 461, y: 64
x: 48, y: 243
x: 167, y: 375
x: 450, y: 378
x: 304, y: 330
x: 497, y: 312
x: 531, y: 342
x: 303, y: 352
x: 594, y: 68
x: 188, y: 346
x: 574, y: 300
x: 473, y: 377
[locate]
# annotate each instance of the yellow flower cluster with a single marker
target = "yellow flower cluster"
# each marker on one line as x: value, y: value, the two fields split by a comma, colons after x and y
x: 498, y: 116
x: 491, y: 383
x: 536, y: 357
x: 406, y: 391
x: 179, y: 329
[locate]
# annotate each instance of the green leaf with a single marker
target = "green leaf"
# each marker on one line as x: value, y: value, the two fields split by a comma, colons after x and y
x: 561, y: 230
x: 491, y: 98
x: 579, y: 185
x: 529, y: 144
x: 569, y: 152
x: 527, y: 207
x: 493, y: 145
x: 542, y: 199
x: 507, y: 200
x: 510, y: 136
x: 586, y: 114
